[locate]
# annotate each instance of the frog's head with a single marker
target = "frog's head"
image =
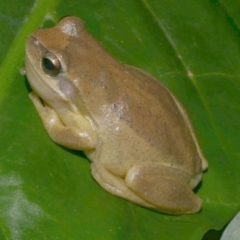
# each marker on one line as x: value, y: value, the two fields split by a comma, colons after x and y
x: 49, y: 66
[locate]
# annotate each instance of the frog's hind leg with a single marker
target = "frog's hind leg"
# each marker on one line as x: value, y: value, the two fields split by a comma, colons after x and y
x: 166, y: 188
x: 115, y: 184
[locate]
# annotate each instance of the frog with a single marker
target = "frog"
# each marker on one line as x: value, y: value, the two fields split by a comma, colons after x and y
x: 136, y: 134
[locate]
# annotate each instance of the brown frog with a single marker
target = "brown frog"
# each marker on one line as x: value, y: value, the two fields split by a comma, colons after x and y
x: 137, y: 135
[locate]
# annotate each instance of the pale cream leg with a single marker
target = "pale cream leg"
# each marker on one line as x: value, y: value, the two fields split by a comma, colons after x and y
x: 68, y: 136
x: 159, y: 187
x: 115, y: 185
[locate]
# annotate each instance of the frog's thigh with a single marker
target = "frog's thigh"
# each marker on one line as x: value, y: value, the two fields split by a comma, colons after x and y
x: 68, y: 136
x: 115, y: 185
x: 168, y: 193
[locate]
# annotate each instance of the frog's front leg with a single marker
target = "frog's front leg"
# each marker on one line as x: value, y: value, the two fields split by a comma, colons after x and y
x: 166, y: 188
x: 69, y: 136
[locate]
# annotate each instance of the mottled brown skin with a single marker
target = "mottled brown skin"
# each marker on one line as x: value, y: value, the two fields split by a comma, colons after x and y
x: 135, y: 132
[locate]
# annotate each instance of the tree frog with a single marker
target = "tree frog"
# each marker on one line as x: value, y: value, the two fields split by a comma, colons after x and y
x: 135, y: 132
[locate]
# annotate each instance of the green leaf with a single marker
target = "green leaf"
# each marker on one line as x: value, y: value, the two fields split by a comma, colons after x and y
x: 47, y: 192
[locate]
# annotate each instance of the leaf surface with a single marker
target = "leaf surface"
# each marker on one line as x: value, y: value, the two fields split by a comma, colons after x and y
x: 47, y: 192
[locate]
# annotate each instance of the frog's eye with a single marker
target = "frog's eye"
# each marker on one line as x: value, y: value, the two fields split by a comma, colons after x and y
x: 50, y: 64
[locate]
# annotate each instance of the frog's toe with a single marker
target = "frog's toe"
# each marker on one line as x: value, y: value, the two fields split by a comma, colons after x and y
x: 167, y: 194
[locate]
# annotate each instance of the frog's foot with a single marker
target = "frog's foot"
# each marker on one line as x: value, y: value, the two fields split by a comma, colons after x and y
x: 166, y: 188
x: 67, y: 136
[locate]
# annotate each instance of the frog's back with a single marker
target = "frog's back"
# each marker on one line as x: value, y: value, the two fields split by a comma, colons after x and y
x: 137, y: 119
x: 140, y: 123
